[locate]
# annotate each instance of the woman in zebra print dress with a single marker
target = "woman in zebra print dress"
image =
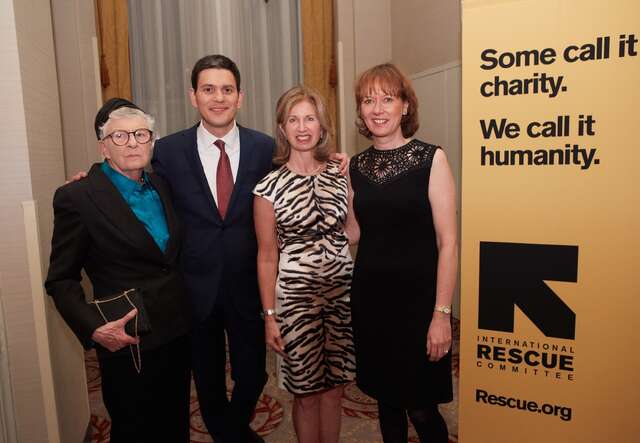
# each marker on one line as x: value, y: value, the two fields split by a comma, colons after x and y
x: 304, y: 266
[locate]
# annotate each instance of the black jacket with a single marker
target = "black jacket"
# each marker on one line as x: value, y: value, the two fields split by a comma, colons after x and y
x: 95, y: 230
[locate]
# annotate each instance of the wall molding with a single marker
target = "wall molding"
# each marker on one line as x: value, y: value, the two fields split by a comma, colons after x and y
x: 8, y: 431
x: 39, y: 300
x: 436, y: 70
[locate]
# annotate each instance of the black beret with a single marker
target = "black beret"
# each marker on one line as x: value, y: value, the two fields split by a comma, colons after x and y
x: 111, y: 105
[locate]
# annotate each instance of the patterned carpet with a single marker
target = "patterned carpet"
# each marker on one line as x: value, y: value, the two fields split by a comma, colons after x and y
x: 272, y: 417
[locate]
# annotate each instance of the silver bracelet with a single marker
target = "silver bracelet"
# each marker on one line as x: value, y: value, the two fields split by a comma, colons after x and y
x: 268, y: 313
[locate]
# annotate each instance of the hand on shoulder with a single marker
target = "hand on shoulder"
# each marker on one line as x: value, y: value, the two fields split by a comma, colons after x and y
x: 78, y: 176
x: 344, y: 161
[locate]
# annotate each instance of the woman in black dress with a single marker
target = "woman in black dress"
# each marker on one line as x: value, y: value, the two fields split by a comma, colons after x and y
x: 405, y: 270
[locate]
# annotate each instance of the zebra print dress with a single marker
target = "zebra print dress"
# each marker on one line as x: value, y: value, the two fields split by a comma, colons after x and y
x: 314, y: 278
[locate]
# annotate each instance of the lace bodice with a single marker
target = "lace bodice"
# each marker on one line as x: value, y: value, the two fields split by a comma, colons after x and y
x: 382, y: 166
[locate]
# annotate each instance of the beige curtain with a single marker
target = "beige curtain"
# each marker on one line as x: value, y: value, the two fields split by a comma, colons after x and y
x: 166, y: 37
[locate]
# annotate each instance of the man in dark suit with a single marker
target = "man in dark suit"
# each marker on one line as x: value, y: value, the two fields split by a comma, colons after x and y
x: 119, y: 225
x: 212, y: 169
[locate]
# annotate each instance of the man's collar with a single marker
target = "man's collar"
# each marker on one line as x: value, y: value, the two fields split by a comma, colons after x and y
x: 230, y: 139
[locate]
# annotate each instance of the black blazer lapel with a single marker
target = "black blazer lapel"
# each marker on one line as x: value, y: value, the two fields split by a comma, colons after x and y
x: 170, y: 215
x: 115, y: 209
x: 193, y: 158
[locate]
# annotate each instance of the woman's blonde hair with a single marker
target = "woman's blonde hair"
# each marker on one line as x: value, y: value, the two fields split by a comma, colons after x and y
x: 288, y: 100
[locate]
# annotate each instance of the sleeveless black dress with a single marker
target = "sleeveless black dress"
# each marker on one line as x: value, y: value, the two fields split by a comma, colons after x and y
x: 394, y: 280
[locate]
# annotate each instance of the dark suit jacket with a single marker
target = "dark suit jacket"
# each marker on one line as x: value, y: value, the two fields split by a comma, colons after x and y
x: 95, y: 229
x: 218, y: 256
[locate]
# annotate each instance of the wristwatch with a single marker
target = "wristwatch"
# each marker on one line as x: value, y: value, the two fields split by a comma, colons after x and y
x: 268, y: 313
x: 443, y: 308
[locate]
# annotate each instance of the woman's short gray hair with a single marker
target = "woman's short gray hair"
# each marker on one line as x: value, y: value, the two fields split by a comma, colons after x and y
x: 126, y: 112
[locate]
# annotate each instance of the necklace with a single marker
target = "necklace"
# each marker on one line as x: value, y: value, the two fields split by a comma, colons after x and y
x: 294, y: 170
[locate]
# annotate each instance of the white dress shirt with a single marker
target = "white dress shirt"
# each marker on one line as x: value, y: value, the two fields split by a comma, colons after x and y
x: 210, y: 154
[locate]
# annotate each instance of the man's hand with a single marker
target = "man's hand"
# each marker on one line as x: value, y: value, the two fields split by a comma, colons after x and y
x: 78, y: 176
x: 344, y: 161
x: 111, y: 335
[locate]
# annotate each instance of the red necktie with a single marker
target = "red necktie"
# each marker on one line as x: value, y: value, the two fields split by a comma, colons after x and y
x: 224, y: 179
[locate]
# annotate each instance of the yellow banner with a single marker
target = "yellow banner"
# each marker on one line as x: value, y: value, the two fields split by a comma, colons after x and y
x: 550, y: 206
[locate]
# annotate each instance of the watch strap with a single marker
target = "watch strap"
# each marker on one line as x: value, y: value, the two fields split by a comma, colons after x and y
x: 443, y: 308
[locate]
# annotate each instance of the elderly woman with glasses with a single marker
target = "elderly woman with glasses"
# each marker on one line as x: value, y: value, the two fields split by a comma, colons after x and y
x: 119, y: 226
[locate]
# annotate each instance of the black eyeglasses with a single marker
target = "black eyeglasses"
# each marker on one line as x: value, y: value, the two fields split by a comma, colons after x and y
x: 121, y: 138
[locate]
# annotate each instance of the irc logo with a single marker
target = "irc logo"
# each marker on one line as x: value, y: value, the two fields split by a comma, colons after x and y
x: 513, y: 274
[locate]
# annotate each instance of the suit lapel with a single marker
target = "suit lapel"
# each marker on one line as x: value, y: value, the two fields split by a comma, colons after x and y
x: 246, y: 146
x: 193, y: 158
x: 115, y: 209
